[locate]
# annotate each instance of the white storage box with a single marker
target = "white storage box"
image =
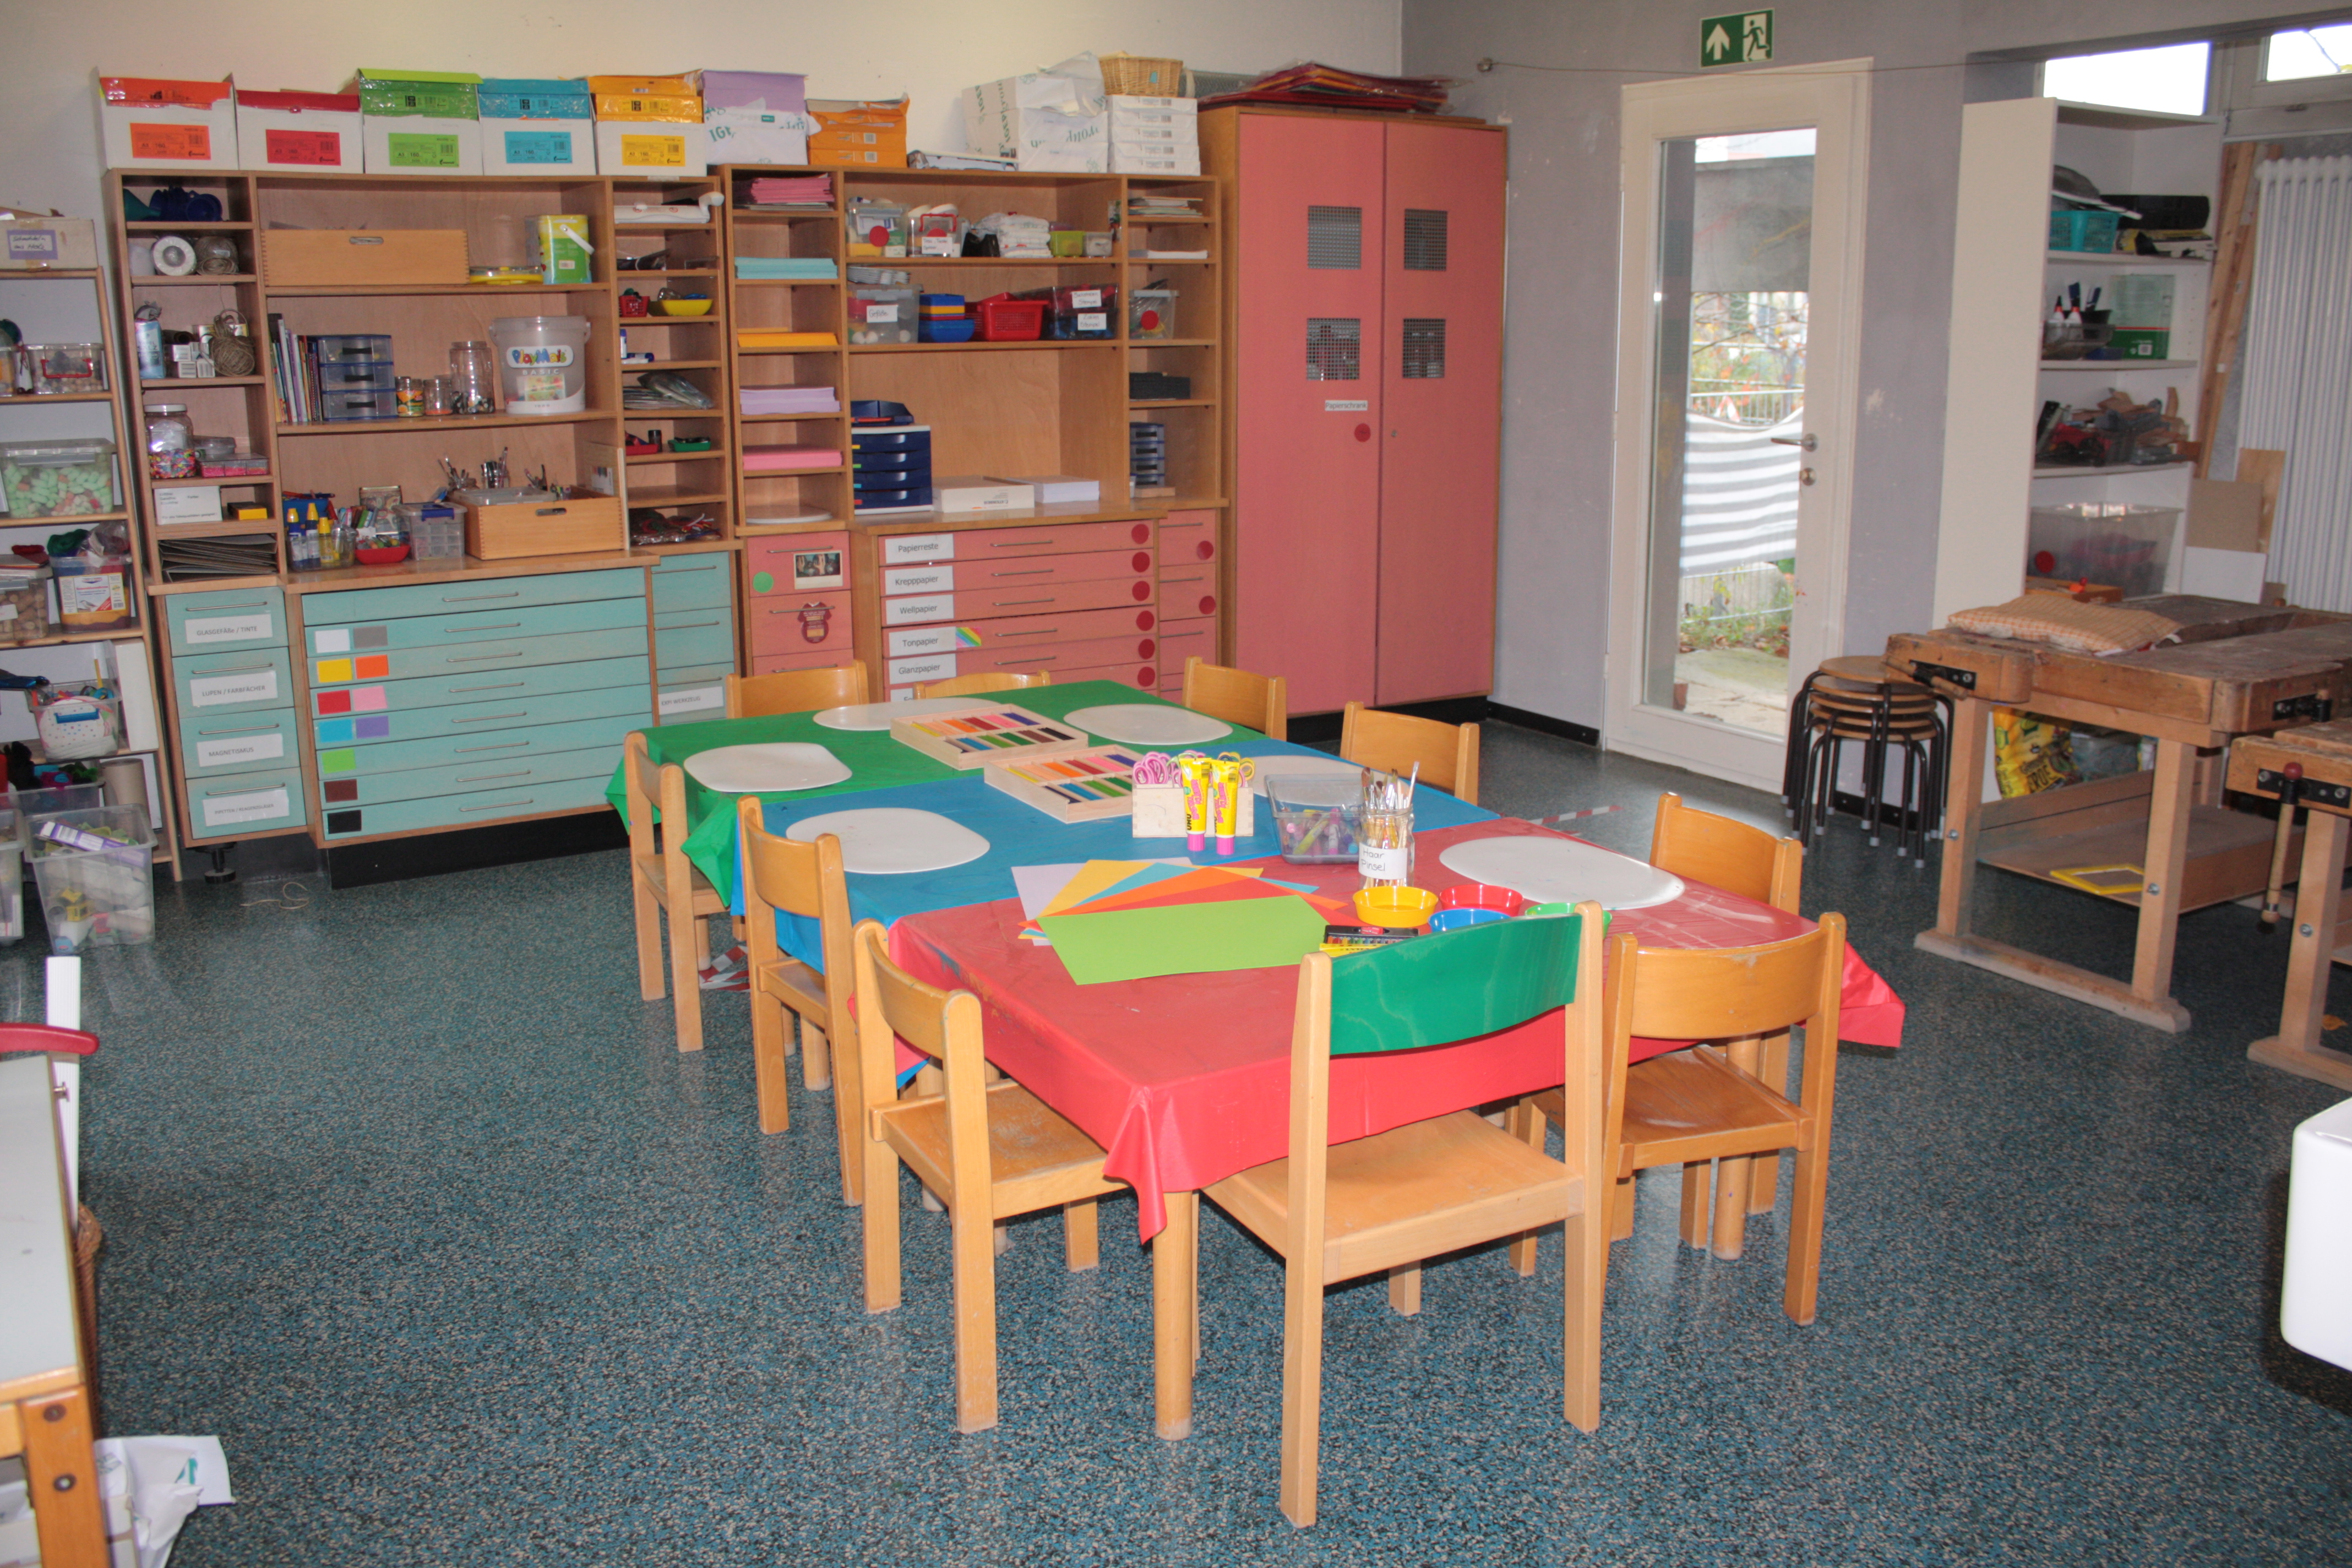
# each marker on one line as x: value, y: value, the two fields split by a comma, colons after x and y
x: 149, y: 123
x: 665, y: 147
x: 1158, y: 116
x: 757, y: 136
x: 308, y: 132
x: 2316, y: 1292
x: 1051, y: 119
x: 532, y: 126
x: 976, y: 492
x: 420, y: 122
x: 1127, y: 158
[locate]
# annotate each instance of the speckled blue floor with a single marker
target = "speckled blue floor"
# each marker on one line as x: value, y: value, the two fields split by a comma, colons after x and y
x: 409, y: 1198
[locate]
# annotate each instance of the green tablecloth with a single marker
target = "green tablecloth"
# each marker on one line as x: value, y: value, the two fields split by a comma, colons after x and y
x: 874, y: 759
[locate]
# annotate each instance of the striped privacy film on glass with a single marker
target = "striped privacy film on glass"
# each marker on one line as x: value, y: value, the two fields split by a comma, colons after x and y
x: 1334, y: 348
x: 1424, y: 240
x: 1423, y: 358
x: 1335, y: 237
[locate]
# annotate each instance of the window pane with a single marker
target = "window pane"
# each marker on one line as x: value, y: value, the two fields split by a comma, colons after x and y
x: 2169, y: 81
x: 1424, y: 240
x: 2307, y: 52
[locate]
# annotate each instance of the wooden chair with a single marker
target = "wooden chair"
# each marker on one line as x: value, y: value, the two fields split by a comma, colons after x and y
x: 1448, y: 754
x: 1690, y: 1106
x: 664, y: 884
x: 784, y: 877
x: 797, y: 691
x: 1339, y: 1211
x: 988, y: 1151
x: 1237, y: 697
x: 974, y: 685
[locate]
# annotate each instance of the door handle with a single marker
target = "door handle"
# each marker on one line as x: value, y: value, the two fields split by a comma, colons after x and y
x: 1809, y: 441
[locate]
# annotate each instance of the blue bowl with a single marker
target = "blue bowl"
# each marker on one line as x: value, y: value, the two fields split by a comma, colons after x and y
x: 1454, y: 919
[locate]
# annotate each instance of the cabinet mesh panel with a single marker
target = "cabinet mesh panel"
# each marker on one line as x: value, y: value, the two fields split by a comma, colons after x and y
x: 1423, y: 358
x: 1334, y: 348
x: 1424, y: 240
x: 1335, y: 237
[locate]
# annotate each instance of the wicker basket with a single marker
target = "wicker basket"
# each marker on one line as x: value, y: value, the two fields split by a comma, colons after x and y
x: 1142, y: 75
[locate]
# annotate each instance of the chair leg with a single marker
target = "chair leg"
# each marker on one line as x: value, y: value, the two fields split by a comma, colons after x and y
x: 768, y: 1088
x: 1697, y: 1177
x: 1404, y: 1289
x: 971, y: 1230
x: 848, y: 1118
x: 883, y: 1287
x: 817, y: 1057
x: 1808, y: 1202
x: 1302, y: 1386
x: 1081, y: 1241
x: 648, y: 911
x: 1731, y: 1179
x: 1526, y: 1123
x: 1620, y: 1210
x: 1002, y: 1242
x: 689, y: 944
x: 1764, y: 1170
x: 1588, y: 1281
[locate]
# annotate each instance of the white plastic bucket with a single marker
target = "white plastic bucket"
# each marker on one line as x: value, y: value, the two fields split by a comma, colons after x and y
x: 542, y: 362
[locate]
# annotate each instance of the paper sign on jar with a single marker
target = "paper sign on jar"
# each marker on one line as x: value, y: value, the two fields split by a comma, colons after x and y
x: 253, y: 806
x: 239, y: 686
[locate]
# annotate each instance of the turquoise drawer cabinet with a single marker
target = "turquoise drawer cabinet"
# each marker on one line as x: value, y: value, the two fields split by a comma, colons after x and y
x: 694, y: 634
x: 234, y: 704
x: 454, y: 704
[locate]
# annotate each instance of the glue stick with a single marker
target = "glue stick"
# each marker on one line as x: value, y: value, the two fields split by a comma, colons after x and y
x: 1196, y: 770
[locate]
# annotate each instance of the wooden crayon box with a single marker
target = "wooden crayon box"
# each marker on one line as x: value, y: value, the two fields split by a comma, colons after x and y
x: 985, y: 734
x: 1080, y: 786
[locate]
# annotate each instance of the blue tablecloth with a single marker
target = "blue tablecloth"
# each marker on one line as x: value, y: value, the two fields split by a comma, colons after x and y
x: 1020, y: 835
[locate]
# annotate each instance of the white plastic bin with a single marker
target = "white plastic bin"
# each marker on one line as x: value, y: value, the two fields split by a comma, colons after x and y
x: 97, y: 876
x: 542, y: 362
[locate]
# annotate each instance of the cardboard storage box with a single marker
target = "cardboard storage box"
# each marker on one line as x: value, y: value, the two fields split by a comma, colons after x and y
x: 401, y: 257
x: 1052, y: 120
x: 533, y: 126
x: 860, y: 135
x: 420, y: 122
x: 660, y: 147
x: 311, y: 133
x: 40, y: 242
x: 757, y: 136
x: 673, y: 98
x: 761, y: 92
x: 582, y: 525
x: 149, y: 123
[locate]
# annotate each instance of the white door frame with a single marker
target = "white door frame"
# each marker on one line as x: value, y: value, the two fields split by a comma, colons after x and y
x: 1835, y: 98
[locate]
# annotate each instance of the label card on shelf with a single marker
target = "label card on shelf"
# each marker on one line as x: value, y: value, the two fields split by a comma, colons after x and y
x: 240, y: 686
x: 255, y: 805
x: 239, y: 749
x: 906, y: 547
x: 691, y: 699
x: 926, y: 607
x: 227, y: 628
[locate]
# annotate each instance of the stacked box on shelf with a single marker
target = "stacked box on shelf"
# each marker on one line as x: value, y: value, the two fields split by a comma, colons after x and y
x: 1190, y: 603
x: 534, y: 126
x: 147, y: 123
x: 694, y: 635
x: 431, y: 711
x: 1079, y: 599
x: 755, y: 117
x: 890, y: 467
x: 1154, y: 135
x: 420, y: 122
x: 649, y: 125
x: 299, y: 133
x: 353, y: 375
x: 241, y: 741
x: 796, y: 613
x: 1147, y: 457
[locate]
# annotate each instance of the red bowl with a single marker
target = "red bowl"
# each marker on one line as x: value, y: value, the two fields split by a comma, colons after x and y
x: 1481, y: 896
x: 381, y: 554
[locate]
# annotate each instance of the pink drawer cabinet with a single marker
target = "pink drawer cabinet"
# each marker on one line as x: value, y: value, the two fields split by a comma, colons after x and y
x: 1187, y: 538
x: 975, y: 576
x: 1180, y: 640
x: 1188, y: 592
x: 796, y: 599
x: 1015, y: 631
x: 1034, y: 599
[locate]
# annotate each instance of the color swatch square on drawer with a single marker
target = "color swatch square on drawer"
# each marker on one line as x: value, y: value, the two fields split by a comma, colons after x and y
x: 374, y: 667
x: 332, y: 671
x: 332, y: 702
x: 334, y: 731
x: 341, y: 761
x: 331, y: 639
x: 335, y: 790
x: 372, y: 729
x: 371, y: 700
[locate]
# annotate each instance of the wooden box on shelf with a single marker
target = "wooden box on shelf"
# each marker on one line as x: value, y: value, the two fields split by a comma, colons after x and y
x: 385, y: 257
x: 582, y: 525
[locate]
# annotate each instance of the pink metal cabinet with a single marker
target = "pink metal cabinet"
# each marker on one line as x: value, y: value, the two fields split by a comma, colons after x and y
x: 1440, y: 405
x: 1307, y: 465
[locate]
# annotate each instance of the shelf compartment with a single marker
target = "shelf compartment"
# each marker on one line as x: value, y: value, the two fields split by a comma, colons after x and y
x: 453, y: 422
x: 2116, y: 364
x: 2229, y: 851
x: 67, y: 519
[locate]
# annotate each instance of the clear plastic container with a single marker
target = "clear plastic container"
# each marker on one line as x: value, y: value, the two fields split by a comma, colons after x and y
x: 2123, y: 546
x: 11, y: 879
x: 473, y: 379
x: 435, y: 533
x: 1150, y: 313
x: 883, y: 314
x: 96, y: 870
x: 67, y: 478
x: 57, y: 368
x: 25, y: 606
x: 543, y: 363
x: 1316, y: 815
x: 171, y: 442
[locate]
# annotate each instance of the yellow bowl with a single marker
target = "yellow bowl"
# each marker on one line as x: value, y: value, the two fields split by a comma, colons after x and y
x: 683, y: 306
x: 1395, y: 907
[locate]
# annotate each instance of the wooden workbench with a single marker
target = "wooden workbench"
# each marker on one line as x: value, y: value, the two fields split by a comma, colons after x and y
x: 2236, y: 669
x: 2256, y: 767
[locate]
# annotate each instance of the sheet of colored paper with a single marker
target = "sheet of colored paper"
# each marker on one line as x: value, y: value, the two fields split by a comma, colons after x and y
x: 1185, y: 939
x: 1160, y: 879
x: 1210, y: 884
x: 1097, y: 875
x: 1151, y: 875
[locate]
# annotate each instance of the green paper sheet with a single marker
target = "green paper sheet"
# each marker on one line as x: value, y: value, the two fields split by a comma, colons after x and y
x: 1185, y: 939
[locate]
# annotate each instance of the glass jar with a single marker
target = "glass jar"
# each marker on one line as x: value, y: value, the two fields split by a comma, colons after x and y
x: 408, y: 397
x: 171, y: 441
x: 437, y: 395
x: 473, y: 378
x: 1385, y: 846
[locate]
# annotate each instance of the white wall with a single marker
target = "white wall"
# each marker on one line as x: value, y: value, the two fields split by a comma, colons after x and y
x: 933, y: 48
x: 1561, y: 369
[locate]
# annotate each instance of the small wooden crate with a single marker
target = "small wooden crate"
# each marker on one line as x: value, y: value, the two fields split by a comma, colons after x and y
x: 994, y: 733
x: 583, y: 525
x: 332, y: 258
x: 1081, y: 786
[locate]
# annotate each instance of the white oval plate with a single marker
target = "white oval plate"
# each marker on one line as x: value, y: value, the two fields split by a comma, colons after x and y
x: 877, y: 715
x: 1144, y: 724
x: 1303, y: 767
x: 891, y: 841
x: 768, y: 765
x: 1561, y: 869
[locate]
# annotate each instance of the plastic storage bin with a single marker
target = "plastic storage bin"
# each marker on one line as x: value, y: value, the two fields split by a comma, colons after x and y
x: 1315, y: 815
x: 1150, y: 314
x: 97, y: 876
x: 1004, y: 320
x: 2081, y: 230
x: 1088, y: 312
x: 25, y: 607
x: 542, y: 362
x: 435, y: 533
x: 52, y: 369
x: 883, y: 314
x: 66, y: 477
x: 2129, y: 547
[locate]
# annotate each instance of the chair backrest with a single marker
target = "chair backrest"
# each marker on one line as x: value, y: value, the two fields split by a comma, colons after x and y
x: 1433, y: 991
x: 1238, y: 697
x: 943, y: 1025
x: 785, y: 876
x: 1728, y: 993
x: 1733, y: 856
x: 972, y: 684
x: 654, y: 793
x: 1448, y: 754
x: 797, y: 691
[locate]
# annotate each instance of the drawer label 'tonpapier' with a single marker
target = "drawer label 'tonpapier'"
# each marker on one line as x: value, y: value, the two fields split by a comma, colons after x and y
x: 906, y: 547
x: 227, y: 628
x: 239, y: 749
x: 255, y: 805
x: 242, y: 686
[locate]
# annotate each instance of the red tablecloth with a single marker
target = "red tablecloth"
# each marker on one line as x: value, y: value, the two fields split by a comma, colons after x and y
x: 1184, y: 1080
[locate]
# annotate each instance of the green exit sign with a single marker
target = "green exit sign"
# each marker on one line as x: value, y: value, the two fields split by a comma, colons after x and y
x: 1742, y: 39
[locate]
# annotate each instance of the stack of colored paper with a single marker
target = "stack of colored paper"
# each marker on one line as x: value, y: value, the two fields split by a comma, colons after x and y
x: 786, y: 459
x: 796, y: 268
x: 1131, y: 919
x: 781, y: 338
x: 760, y: 400
x: 791, y: 191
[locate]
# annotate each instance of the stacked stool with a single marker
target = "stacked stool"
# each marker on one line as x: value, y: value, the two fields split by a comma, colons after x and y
x: 1853, y: 702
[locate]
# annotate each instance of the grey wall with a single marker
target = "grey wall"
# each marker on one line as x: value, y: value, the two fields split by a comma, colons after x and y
x: 1560, y: 364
